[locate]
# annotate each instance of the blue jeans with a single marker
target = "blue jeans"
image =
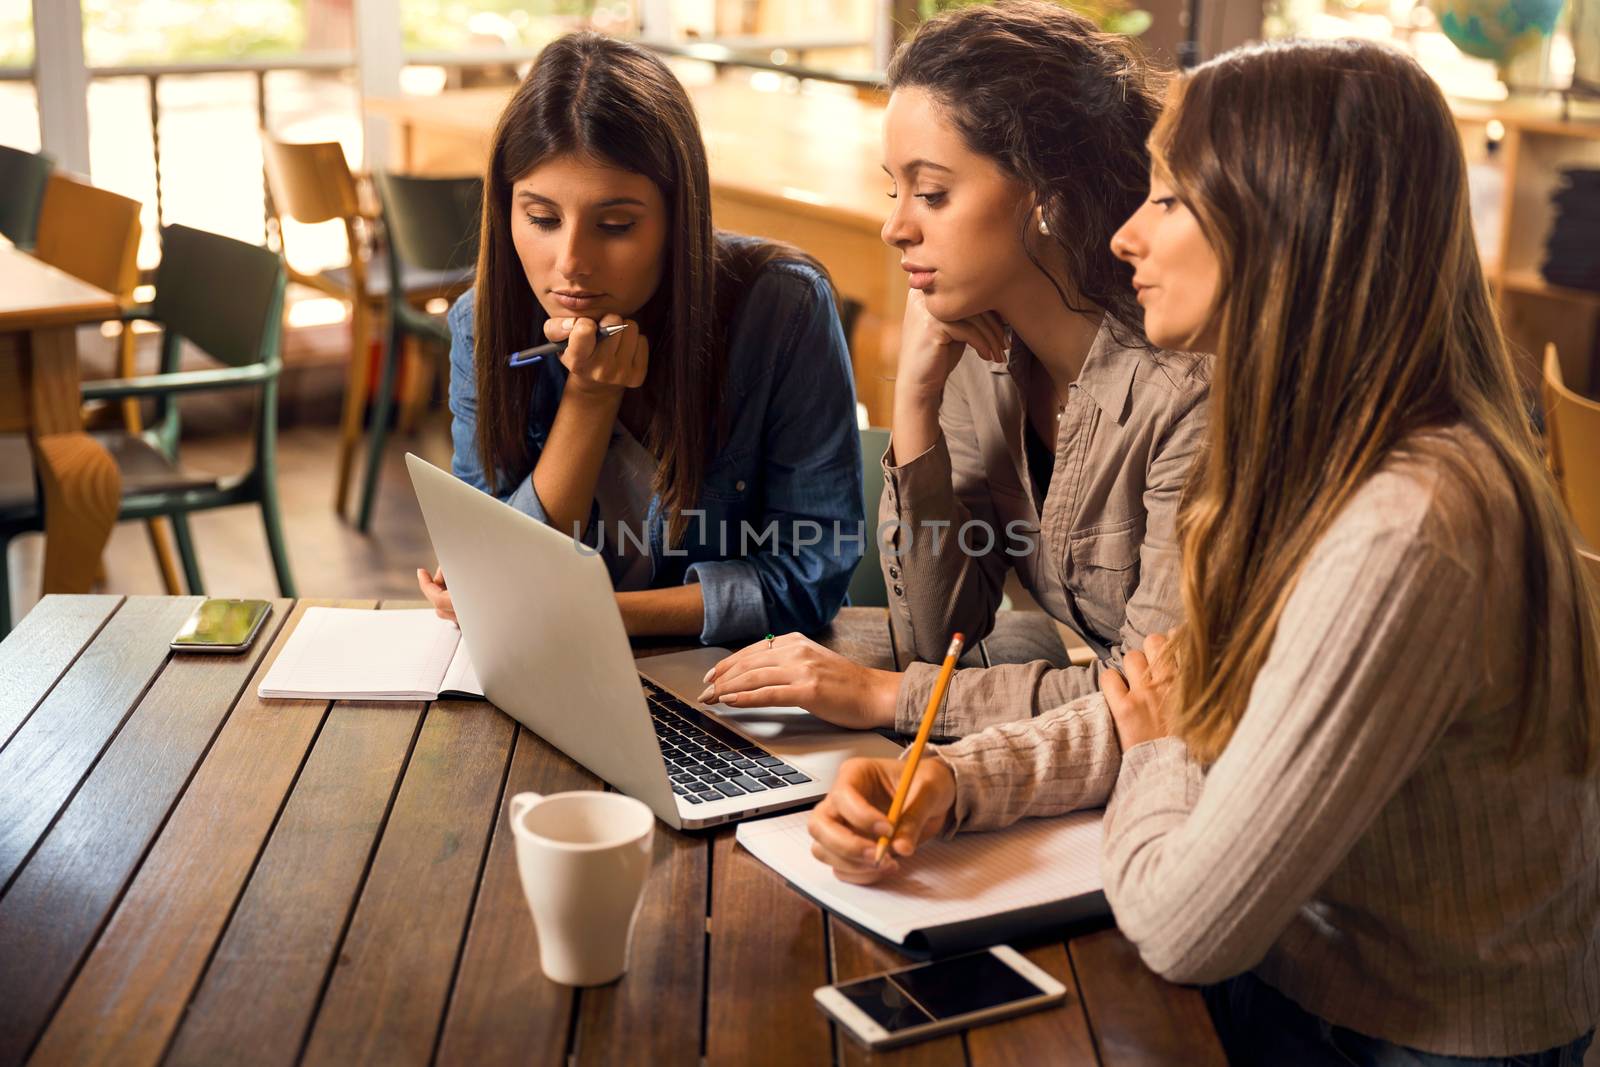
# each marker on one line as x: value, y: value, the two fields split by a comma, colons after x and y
x: 1259, y: 1025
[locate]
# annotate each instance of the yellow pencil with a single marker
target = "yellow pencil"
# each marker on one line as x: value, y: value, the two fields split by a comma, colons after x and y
x: 935, y: 701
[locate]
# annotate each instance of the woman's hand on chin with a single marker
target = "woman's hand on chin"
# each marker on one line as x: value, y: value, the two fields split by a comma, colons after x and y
x: 930, y: 348
x: 603, y: 366
x: 795, y: 671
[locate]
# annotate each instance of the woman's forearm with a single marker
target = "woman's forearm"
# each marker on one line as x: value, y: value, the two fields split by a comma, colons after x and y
x: 569, y: 464
x: 916, y: 422
x: 677, y: 611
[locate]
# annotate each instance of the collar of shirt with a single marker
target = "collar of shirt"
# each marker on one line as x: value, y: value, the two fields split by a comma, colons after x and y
x: 1107, y: 374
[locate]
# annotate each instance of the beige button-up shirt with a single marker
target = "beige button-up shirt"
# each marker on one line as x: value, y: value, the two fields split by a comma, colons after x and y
x: 1102, y: 558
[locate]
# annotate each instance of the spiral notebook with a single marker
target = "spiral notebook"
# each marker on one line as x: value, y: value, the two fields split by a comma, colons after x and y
x: 358, y: 654
x: 972, y: 891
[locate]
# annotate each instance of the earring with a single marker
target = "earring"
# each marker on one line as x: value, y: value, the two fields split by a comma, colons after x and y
x: 1044, y: 227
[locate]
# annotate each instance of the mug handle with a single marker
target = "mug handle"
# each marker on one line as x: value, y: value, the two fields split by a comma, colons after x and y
x: 521, y: 803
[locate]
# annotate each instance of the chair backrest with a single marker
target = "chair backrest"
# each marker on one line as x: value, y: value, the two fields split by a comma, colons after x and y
x: 432, y: 223
x: 220, y: 294
x: 1572, y: 427
x: 90, y: 233
x: 309, y: 182
x: 867, y: 589
x: 22, y: 180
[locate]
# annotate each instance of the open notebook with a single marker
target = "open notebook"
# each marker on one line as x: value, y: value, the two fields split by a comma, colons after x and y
x: 357, y: 654
x: 973, y: 891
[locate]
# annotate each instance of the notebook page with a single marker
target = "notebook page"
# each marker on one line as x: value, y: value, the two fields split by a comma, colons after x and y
x: 973, y: 876
x: 461, y: 677
x: 354, y: 652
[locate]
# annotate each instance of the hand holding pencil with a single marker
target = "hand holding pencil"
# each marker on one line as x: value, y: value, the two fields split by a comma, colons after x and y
x: 901, y: 802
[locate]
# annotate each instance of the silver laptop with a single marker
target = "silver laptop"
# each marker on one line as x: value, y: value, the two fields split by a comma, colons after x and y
x: 540, y: 620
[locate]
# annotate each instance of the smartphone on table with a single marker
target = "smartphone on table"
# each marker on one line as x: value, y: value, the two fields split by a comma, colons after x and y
x: 219, y: 625
x: 917, y: 1002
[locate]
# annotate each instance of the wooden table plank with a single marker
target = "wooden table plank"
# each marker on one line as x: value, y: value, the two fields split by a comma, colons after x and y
x: 56, y: 906
x: 33, y: 294
x: 288, y: 924
x: 767, y: 955
x: 412, y: 916
x: 1136, y: 1016
x: 861, y: 634
x: 654, y: 1011
x: 503, y: 1009
x: 1057, y: 1035
x: 126, y: 1001
x: 41, y: 647
x: 50, y: 753
x: 855, y: 954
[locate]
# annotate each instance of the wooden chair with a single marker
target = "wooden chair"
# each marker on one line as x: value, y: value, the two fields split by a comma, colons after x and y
x: 224, y: 297
x: 1572, y: 431
x: 431, y: 226
x: 312, y: 183
x: 22, y: 181
x: 93, y: 234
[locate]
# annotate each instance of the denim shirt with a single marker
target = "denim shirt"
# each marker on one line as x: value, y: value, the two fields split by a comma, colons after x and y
x: 782, y: 524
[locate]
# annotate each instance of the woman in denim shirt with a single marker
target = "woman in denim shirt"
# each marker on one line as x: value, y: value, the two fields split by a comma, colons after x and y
x: 708, y: 451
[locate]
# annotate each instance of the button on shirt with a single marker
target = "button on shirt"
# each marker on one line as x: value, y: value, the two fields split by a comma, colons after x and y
x: 790, y: 466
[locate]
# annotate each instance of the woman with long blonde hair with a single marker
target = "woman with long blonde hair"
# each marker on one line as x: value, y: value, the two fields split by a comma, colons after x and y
x: 1357, y: 793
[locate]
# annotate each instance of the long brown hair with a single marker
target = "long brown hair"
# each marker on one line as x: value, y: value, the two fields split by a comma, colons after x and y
x: 1062, y: 107
x: 602, y: 98
x: 1329, y: 179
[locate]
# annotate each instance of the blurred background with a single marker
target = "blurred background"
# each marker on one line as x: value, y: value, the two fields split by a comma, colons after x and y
x: 174, y: 104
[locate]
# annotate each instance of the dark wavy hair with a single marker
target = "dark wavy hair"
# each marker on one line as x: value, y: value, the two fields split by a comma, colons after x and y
x: 601, y: 98
x: 1062, y: 107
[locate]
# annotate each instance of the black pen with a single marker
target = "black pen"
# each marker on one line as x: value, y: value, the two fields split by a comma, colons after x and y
x: 555, y: 348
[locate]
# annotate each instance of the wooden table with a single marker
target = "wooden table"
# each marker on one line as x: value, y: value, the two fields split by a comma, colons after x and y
x: 799, y: 168
x: 40, y: 310
x: 191, y: 875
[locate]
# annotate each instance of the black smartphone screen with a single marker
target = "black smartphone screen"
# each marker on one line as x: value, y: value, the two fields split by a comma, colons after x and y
x: 936, y: 991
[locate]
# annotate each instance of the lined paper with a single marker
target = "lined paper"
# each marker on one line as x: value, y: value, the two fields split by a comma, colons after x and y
x: 973, y: 876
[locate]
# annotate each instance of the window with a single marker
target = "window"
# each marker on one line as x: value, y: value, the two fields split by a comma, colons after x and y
x: 1413, y: 25
x: 19, y: 104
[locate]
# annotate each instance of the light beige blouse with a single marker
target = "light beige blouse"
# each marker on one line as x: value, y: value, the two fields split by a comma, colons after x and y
x: 1363, y: 844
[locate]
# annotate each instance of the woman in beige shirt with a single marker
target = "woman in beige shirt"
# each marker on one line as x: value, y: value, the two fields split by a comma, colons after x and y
x: 1035, y: 429
x: 1358, y: 790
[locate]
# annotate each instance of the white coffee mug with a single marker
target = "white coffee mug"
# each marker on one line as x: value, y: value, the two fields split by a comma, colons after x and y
x: 583, y: 857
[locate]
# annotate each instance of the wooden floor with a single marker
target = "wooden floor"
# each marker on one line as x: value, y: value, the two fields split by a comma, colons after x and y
x: 328, y: 556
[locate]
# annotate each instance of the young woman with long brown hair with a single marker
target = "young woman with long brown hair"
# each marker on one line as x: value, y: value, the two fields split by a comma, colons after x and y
x: 1036, y: 431
x: 709, y: 450
x: 1358, y: 790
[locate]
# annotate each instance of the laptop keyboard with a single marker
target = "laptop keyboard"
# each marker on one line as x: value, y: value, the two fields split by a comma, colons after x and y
x: 706, y: 760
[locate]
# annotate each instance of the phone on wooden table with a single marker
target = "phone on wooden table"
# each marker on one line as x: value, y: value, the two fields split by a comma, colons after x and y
x: 219, y: 625
x: 899, y: 1007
